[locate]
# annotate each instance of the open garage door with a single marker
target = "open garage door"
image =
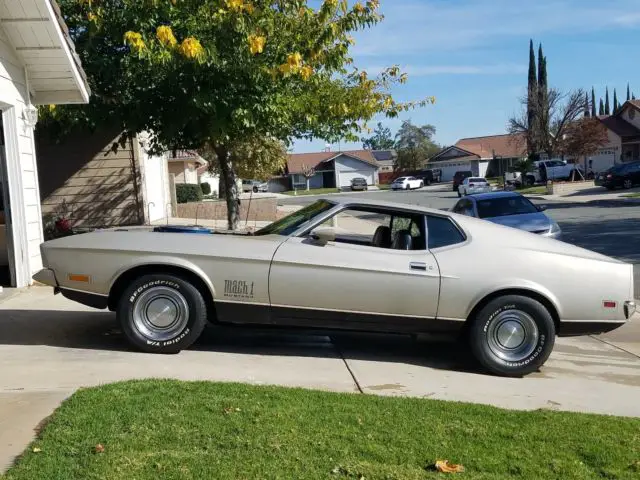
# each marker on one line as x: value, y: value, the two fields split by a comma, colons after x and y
x: 346, y: 177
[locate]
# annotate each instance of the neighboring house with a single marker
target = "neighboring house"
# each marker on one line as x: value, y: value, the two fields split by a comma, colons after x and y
x: 386, y: 159
x: 484, y: 156
x: 623, y: 130
x: 38, y: 66
x: 213, y: 179
x: 332, y: 169
x: 98, y: 185
x: 184, y: 164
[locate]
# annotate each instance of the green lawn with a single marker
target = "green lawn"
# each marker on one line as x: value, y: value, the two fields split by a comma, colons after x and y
x: 313, y: 191
x: 173, y: 430
x: 538, y: 190
x: 632, y: 195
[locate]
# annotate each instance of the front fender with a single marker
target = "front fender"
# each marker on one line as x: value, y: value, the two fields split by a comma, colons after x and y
x: 159, y: 260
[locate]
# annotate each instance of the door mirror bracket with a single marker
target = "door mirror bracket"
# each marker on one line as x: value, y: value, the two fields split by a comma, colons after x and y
x: 323, y: 235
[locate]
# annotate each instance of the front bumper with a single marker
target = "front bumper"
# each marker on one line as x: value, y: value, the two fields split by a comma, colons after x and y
x: 46, y: 276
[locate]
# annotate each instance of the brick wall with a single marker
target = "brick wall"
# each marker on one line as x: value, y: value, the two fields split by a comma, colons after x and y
x: 565, y: 188
x: 260, y: 209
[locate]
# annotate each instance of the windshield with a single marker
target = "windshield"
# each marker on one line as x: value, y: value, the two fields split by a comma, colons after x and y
x: 289, y: 224
x: 500, y: 207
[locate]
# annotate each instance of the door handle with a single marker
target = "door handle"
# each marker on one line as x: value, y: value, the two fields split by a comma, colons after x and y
x: 418, y: 266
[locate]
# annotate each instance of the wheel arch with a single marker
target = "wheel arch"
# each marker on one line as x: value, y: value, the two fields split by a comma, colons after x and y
x: 525, y: 292
x: 192, y: 274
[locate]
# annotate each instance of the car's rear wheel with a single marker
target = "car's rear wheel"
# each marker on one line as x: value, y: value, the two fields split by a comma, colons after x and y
x: 162, y: 313
x: 459, y: 194
x: 627, y: 183
x: 407, y: 187
x: 512, y: 335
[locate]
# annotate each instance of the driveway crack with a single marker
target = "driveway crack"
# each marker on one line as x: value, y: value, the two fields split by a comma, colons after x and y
x: 346, y: 364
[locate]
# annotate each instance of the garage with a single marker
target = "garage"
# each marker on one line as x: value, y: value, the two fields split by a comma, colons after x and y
x: 346, y: 177
x: 450, y: 168
x: 33, y: 37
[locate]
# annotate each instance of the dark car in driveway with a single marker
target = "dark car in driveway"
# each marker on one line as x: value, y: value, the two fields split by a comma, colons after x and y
x: 623, y: 175
x: 459, y: 177
x: 359, y: 183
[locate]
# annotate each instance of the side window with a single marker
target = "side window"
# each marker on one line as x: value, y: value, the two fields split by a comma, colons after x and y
x: 442, y: 232
x: 459, y: 207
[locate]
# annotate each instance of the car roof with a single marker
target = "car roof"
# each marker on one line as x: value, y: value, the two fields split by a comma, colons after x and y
x: 347, y: 200
x: 490, y: 195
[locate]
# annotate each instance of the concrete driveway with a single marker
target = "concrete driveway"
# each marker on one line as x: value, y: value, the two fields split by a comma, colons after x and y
x: 49, y: 347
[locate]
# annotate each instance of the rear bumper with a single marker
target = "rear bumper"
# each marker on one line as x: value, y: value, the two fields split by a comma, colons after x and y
x: 575, y: 329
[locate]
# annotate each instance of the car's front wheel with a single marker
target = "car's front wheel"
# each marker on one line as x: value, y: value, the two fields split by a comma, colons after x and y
x: 459, y: 194
x: 512, y: 335
x: 627, y: 183
x: 162, y: 313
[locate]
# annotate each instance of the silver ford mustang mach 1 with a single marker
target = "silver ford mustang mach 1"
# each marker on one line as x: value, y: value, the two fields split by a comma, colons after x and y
x: 350, y: 265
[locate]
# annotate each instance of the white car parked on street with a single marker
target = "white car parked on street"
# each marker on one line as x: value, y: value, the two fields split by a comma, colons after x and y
x: 407, y: 183
x: 473, y: 185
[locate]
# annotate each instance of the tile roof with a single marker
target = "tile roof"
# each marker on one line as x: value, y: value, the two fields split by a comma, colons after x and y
x: 506, y: 146
x: 635, y: 103
x: 186, y: 155
x: 296, y: 161
x: 619, y: 126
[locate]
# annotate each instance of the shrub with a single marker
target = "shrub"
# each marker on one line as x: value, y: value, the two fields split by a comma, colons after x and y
x: 206, y: 188
x: 186, y: 192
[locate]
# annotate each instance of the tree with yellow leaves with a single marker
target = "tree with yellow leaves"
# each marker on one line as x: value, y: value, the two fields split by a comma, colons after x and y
x: 217, y: 74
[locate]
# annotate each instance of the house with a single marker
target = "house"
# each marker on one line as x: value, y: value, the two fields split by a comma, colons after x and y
x: 485, y: 156
x: 623, y: 131
x: 184, y: 164
x: 386, y: 159
x: 38, y: 66
x: 332, y: 169
x: 94, y: 184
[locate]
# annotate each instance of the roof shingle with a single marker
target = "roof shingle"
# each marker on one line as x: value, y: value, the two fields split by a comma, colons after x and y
x: 506, y: 146
x: 619, y: 126
x: 296, y: 161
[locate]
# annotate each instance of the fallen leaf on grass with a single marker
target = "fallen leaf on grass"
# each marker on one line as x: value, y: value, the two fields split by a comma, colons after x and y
x: 99, y: 448
x: 445, y: 467
x: 36, y: 450
x: 230, y: 410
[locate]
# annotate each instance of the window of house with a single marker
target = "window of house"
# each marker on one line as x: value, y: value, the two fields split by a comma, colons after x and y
x: 442, y: 232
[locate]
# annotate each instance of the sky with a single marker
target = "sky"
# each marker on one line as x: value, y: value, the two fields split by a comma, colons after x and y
x: 473, y: 55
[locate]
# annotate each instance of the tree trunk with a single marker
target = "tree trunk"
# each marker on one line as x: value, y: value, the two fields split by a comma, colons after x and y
x: 307, y: 184
x: 229, y: 186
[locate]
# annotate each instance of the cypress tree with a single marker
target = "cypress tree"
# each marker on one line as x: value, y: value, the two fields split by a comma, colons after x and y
x: 615, y: 101
x: 601, y: 111
x: 628, y: 92
x: 532, y: 93
x: 593, y: 102
x: 587, y: 110
x: 607, y: 106
x: 543, y: 111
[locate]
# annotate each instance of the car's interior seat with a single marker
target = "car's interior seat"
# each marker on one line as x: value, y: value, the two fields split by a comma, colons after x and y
x: 382, y: 237
x: 402, y: 241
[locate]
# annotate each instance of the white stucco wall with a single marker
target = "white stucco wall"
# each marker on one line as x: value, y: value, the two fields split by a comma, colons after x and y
x: 21, y: 165
x: 607, y: 155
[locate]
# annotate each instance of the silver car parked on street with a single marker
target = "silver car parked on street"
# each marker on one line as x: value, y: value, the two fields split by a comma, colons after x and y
x: 511, y: 210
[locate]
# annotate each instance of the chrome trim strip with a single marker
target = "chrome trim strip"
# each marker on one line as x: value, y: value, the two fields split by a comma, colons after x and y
x: 399, y: 315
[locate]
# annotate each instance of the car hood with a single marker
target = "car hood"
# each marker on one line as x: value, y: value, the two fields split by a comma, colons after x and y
x: 531, y: 222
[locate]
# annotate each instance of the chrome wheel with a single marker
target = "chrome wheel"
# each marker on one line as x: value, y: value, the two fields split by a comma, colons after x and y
x: 628, y: 183
x: 160, y: 313
x: 512, y: 335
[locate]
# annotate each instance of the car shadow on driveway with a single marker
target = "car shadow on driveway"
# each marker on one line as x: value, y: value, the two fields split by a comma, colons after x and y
x: 98, y: 330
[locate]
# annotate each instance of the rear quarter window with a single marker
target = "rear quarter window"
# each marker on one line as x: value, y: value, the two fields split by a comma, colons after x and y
x: 442, y: 232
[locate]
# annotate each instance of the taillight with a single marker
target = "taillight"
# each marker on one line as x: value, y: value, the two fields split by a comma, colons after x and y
x: 609, y: 304
x: 609, y: 176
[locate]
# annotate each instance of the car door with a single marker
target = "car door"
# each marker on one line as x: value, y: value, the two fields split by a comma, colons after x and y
x: 349, y: 283
x: 634, y: 173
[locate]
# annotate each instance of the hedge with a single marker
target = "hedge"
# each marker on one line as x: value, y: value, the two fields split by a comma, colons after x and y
x: 186, y: 192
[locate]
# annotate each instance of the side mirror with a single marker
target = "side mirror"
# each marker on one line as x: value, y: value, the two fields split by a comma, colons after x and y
x: 541, y: 208
x: 323, y: 235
